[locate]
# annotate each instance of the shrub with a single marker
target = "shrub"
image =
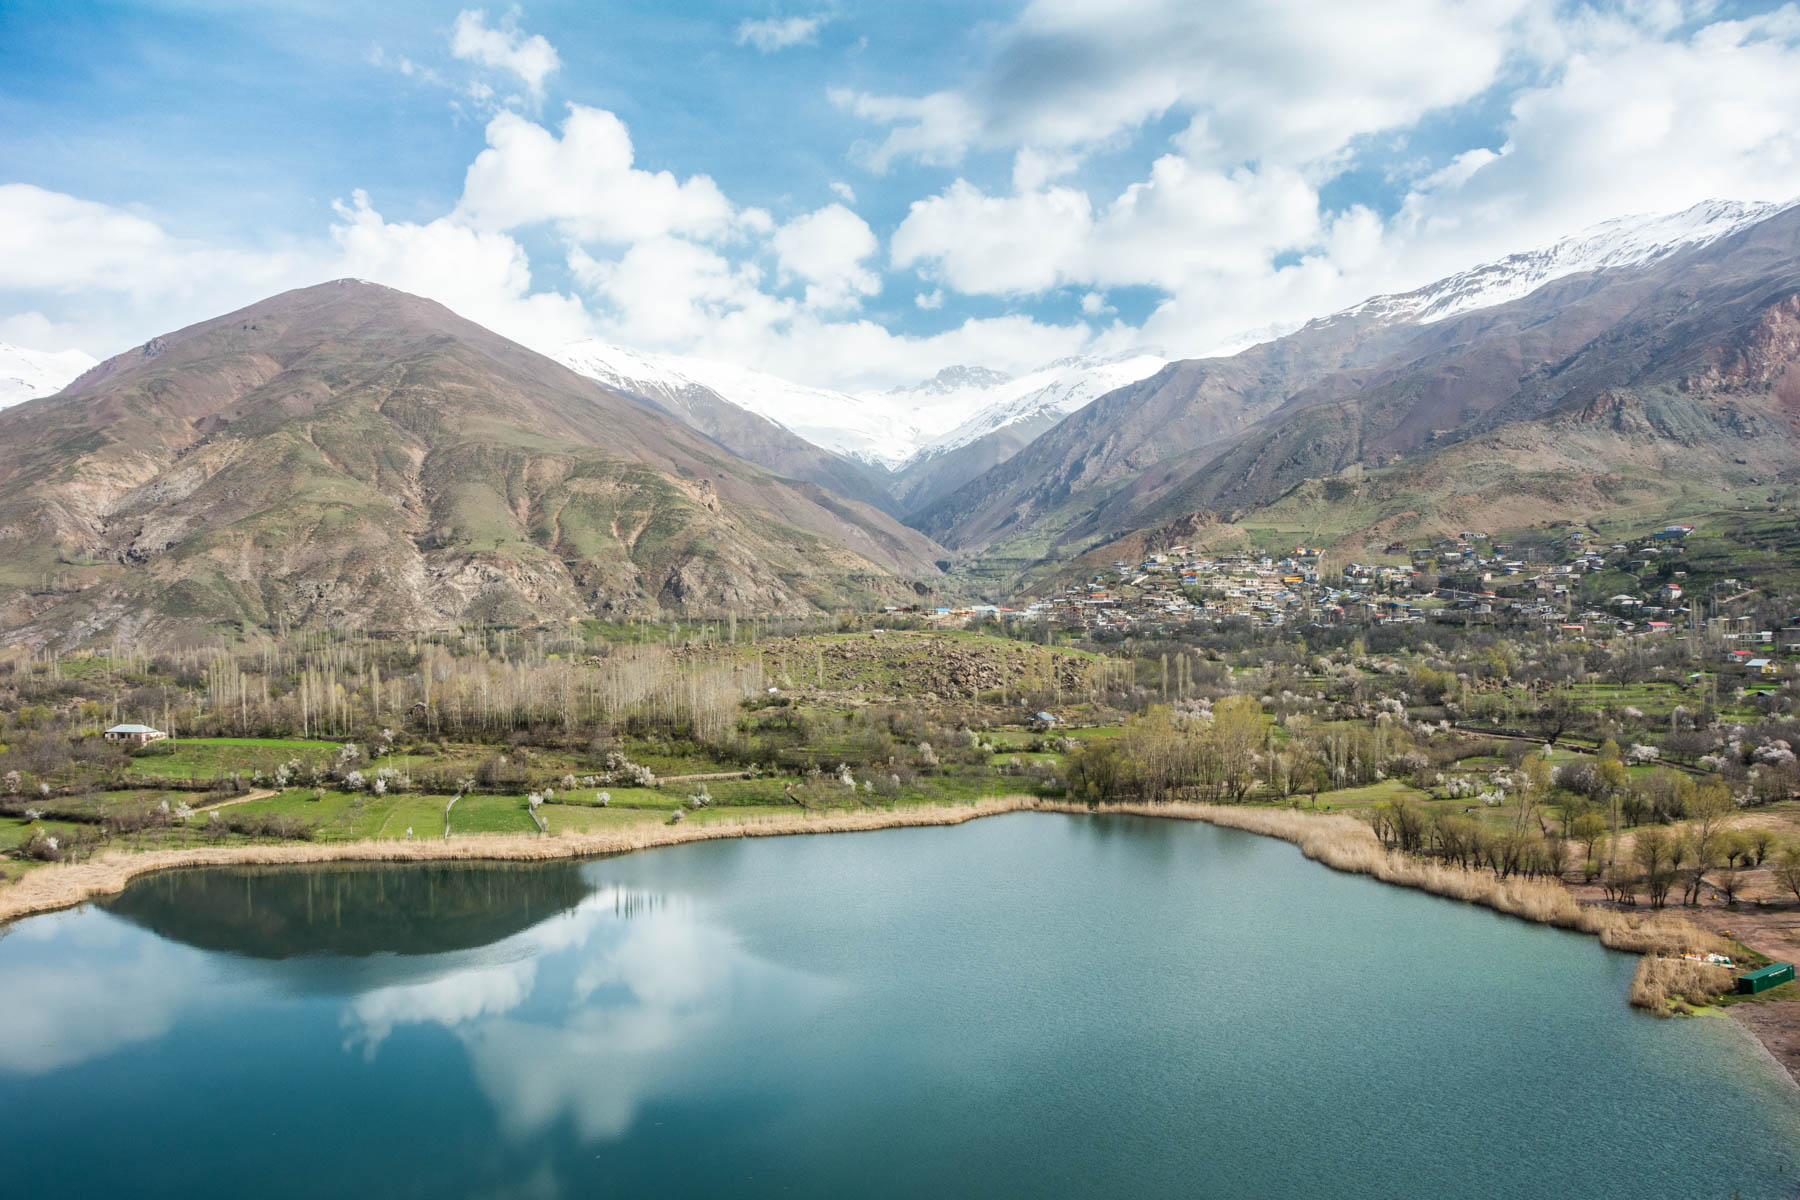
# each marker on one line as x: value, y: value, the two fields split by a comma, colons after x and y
x: 1662, y: 983
x: 42, y: 847
x: 269, y: 825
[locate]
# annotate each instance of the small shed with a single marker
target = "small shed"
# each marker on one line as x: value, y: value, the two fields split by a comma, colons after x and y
x: 1764, y: 978
x: 1042, y: 722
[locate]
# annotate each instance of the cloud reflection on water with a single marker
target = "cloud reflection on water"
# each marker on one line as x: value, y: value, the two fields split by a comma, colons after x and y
x: 601, y: 1013
x: 78, y: 986
x: 586, y: 1016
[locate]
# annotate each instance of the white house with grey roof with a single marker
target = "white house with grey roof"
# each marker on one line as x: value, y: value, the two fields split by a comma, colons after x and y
x: 136, y: 734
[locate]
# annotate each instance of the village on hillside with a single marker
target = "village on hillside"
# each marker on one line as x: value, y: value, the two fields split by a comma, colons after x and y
x: 1466, y: 580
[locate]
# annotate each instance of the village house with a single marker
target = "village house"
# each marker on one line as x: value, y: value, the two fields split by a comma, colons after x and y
x: 137, y: 735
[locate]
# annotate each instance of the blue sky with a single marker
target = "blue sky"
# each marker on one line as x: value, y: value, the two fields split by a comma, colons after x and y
x: 856, y: 194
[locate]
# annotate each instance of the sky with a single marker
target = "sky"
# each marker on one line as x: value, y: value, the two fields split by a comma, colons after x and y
x: 852, y: 195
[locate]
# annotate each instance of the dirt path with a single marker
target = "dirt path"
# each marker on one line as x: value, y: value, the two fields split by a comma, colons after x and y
x: 247, y: 797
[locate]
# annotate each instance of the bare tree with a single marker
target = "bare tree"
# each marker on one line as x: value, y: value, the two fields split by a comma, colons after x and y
x: 1709, y: 811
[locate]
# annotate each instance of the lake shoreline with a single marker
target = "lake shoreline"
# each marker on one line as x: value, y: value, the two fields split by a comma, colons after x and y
x: 1338, y: 842
x: 1775, y: 1028
x: 1772, y: 1029
x: 1773, y: 1025
x: 600, y: 997
x: 61, y: 886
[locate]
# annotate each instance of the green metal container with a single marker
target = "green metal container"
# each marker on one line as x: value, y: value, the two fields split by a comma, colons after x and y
x: 1764, y: 978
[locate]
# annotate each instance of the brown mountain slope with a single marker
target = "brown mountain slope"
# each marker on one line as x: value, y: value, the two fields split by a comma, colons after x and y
x: 924, y: 481
x: 1185, y: 408
x: 1691, y: 358
x: 761, y: 441
x: 348, y: 454
x: 1694, y: 341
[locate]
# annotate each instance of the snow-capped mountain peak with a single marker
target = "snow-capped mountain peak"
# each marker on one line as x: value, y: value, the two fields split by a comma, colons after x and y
x: 1046, y: 395
x: 28, y: 374
x: 961, y: 404
x: 836, y: 421
x: 951, y: 380
x: 1620, y: 242
x: 889, y: 428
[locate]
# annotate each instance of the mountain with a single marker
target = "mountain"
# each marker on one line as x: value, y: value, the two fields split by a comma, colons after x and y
x: 1047, y: 492
x: 1652, y: 384
x: 892, y: 431
x: 350, y: 455
x: 1620, y: 242
x: 670, y: 385
x: 1662, y: 368
x: 995, y: 401
x: 838, y: 422
x: 28, y: 374
x: 1005, y: 415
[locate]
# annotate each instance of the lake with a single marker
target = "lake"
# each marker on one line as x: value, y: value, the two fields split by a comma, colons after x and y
x: 1027, y: 1005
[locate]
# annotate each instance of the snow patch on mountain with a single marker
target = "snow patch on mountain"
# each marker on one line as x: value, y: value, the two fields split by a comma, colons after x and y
x: 28, y: 374
x: 1053, y: 392
x: 889, y: 429
x: 836, y: 421
x: 951, y: 381
x: 962, y: 404
x: 1621, y: 242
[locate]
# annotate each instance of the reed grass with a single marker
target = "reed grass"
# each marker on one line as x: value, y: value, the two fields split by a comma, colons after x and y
x: 65, y: 885
x: 1666, y: 985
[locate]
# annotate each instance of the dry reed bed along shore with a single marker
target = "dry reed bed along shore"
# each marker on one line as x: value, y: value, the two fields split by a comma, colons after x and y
x: 1340, y: 842
x: 1347, y: 844
x: 1337, y: 841
x: 1683, y: 981
x: 63, y: 886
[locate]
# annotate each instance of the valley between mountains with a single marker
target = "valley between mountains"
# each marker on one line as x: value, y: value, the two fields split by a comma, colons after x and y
x: 347, y: 455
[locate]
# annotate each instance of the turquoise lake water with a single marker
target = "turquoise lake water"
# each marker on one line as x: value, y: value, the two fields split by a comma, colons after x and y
x: 1027, y: 1005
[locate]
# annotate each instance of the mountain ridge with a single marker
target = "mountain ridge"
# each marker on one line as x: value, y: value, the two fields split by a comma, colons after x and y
x: 891, y: 429
x: 353, y: 455
x: 1366, y: 391
x: 1620, y: 242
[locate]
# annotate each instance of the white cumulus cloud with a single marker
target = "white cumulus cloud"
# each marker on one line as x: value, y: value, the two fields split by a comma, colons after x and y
x: 1287, y: 80
x: 1644, y: 110
x: 1152, y: 144
x: 583, y: 182
x: 480, y: 274
x: 529, y: 57
x: 778, y: 33
x: 1634, y: 121
x: 829, y: 249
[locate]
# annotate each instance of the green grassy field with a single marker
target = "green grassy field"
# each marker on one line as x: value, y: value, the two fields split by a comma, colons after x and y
x: 203, y: 758
x: 579, y: 818
x: 1374, y: 793
x: 15, y: 831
